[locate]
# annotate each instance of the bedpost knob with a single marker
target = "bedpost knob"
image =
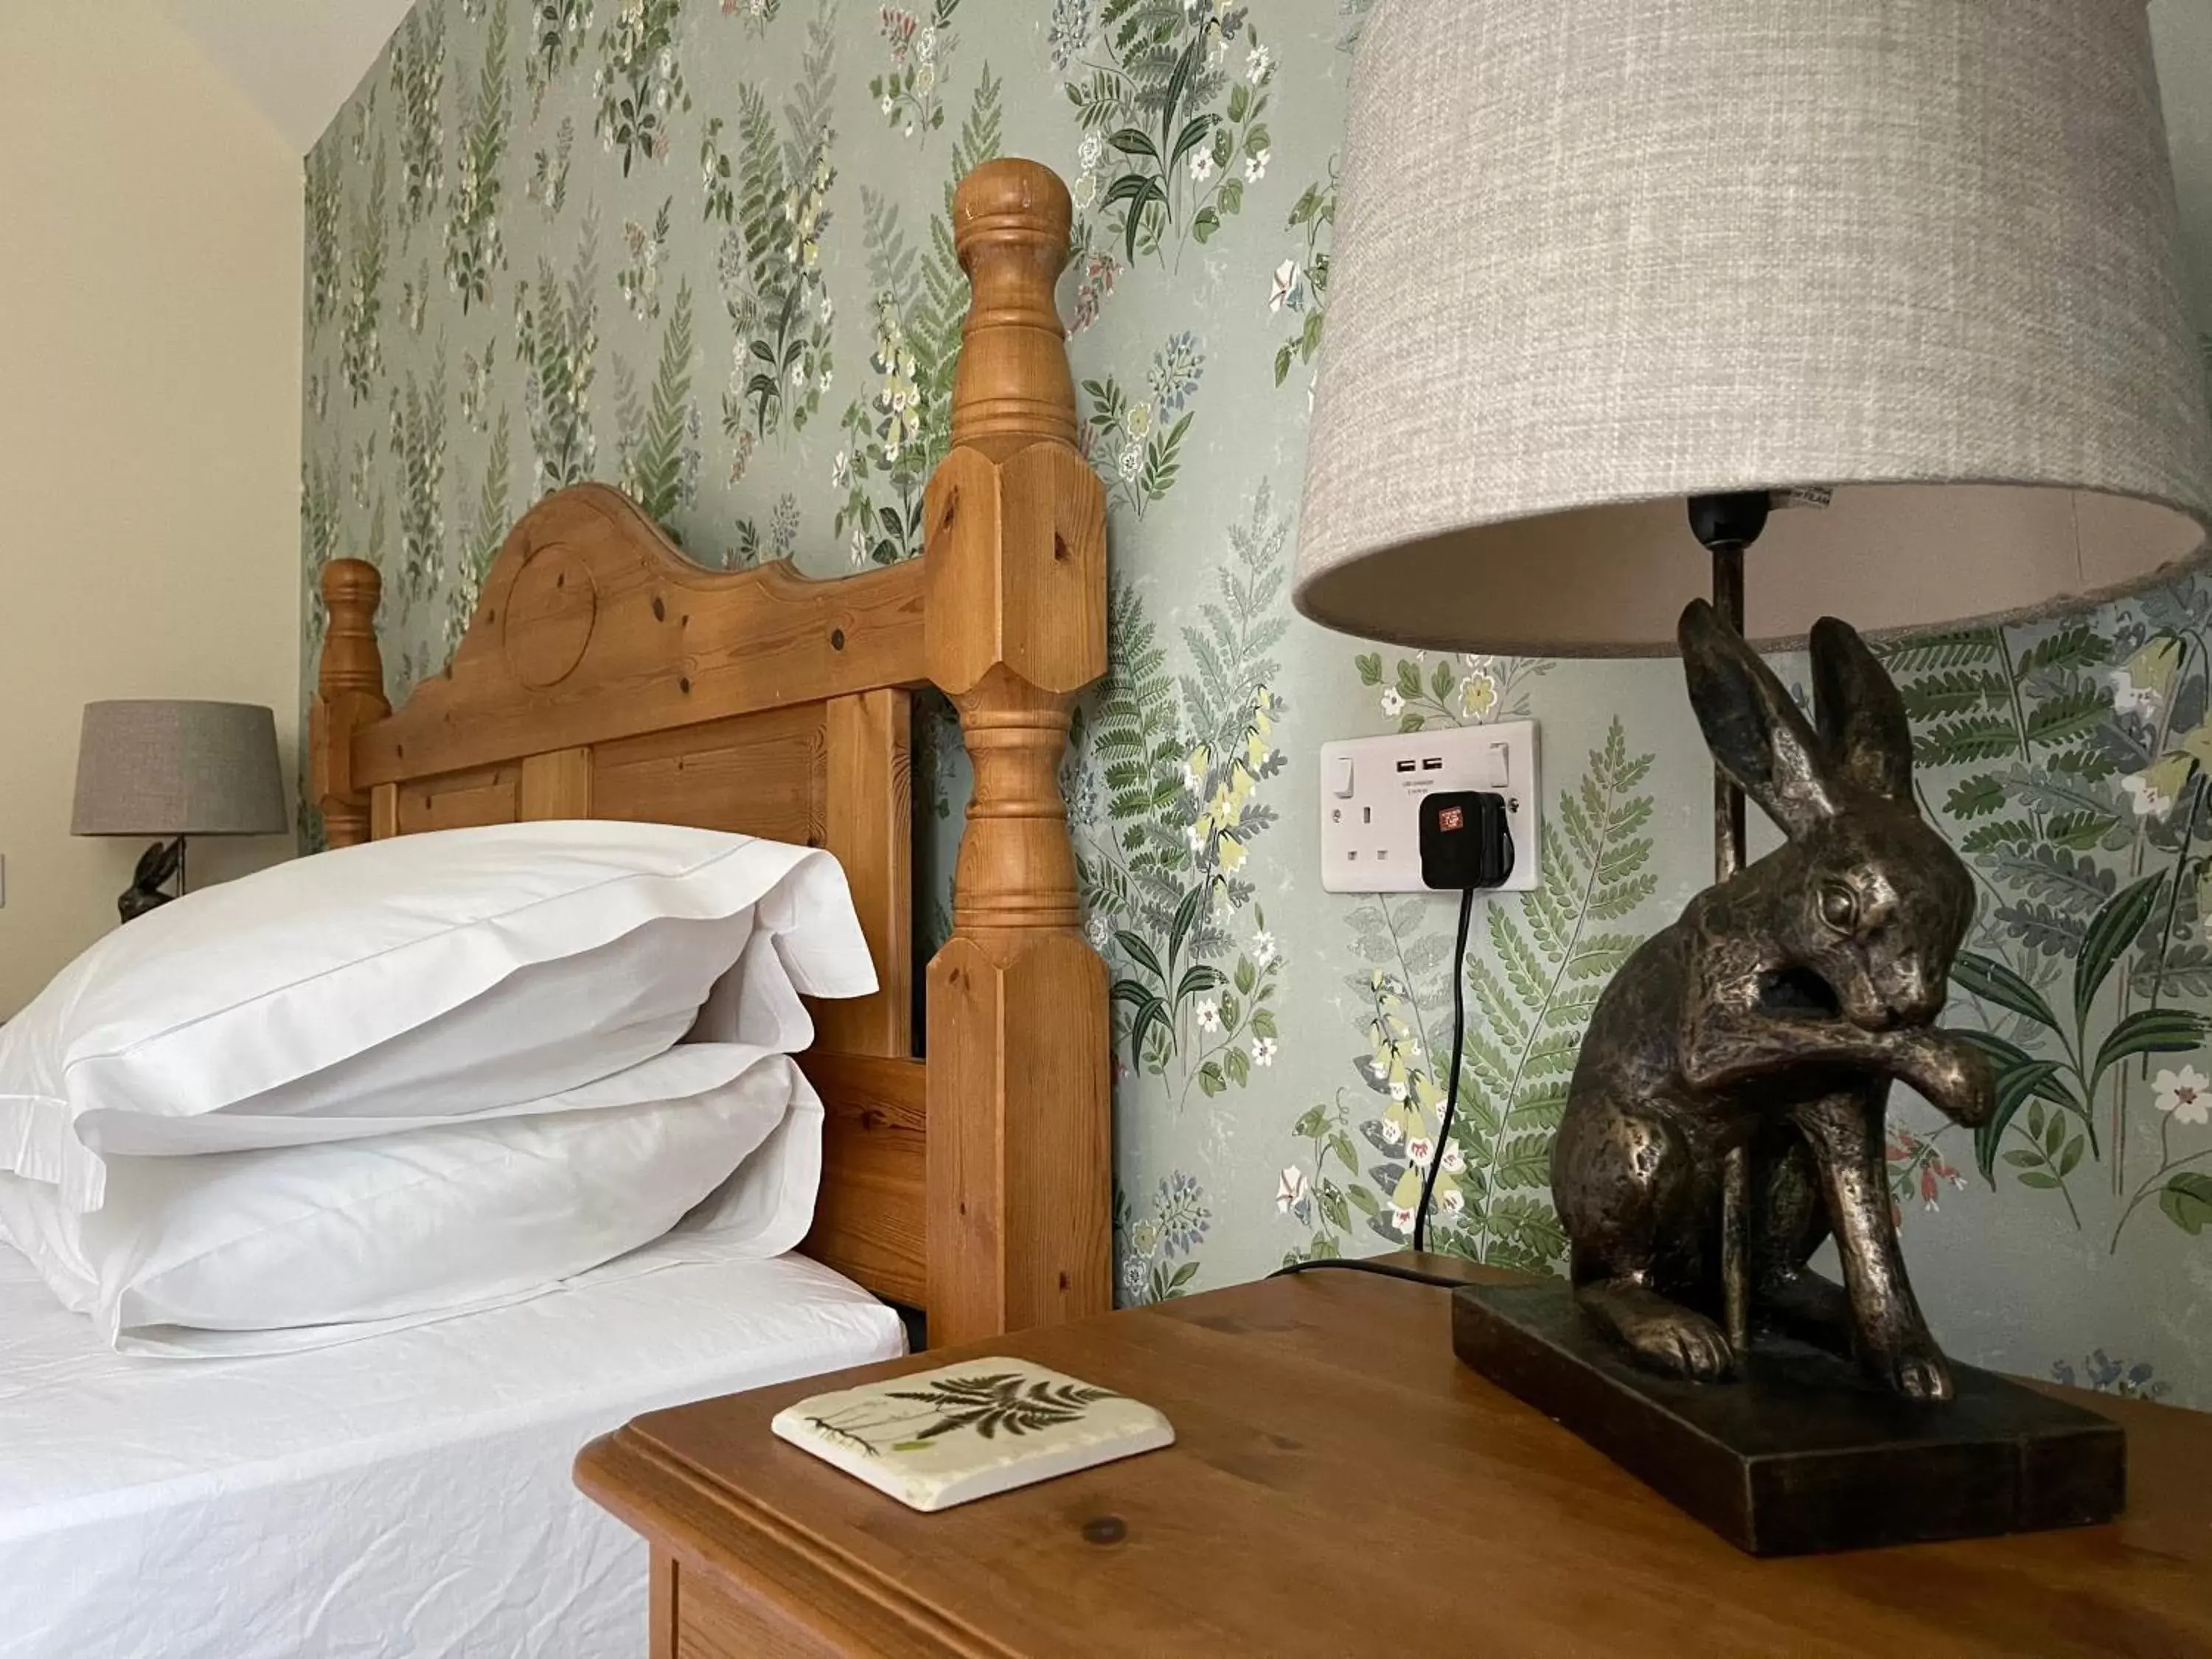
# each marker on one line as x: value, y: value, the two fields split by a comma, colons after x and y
x: 349, y: 695
x: 350, y: 582
x: 1011, y: 223
x: 1012, y: 193
x: 351, y: 590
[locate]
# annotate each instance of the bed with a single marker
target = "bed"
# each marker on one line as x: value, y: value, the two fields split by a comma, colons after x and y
x: 410, y: 1494
x: 605, y: 676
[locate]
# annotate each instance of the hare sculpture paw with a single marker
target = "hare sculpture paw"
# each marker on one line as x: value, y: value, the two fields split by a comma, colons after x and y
x: 1663, y: 1335
x: 1917, y: 1371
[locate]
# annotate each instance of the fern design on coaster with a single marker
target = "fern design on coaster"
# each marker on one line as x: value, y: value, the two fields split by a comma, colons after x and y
x: 947, y: 1437
x: 999, y: 1402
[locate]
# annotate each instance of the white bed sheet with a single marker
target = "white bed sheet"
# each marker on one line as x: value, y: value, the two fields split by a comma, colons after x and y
x: 405, y: 1495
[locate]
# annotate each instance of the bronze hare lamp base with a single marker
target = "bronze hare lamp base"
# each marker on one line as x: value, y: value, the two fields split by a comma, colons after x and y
x: 1801, y: 1453
x: 1727, y: 1119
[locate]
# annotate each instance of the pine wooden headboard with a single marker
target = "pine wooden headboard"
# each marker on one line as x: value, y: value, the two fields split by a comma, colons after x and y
x: 604, y: 676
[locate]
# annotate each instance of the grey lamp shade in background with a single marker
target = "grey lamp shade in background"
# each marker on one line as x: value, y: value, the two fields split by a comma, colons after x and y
x: 1593, y: 257
x: 178, y: 769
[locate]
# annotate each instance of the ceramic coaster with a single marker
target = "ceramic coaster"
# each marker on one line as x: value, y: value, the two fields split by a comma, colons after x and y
x: 941, y: 1437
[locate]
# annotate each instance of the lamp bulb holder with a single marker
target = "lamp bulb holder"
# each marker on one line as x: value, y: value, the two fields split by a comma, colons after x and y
x: 1730, y: 522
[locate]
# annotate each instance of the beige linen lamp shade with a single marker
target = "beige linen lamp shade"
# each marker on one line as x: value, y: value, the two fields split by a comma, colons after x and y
x: 150, y: 767
x: 1595, y: 256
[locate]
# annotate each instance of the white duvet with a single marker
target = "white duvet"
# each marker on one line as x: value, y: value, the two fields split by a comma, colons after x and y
x: 405, y: 1495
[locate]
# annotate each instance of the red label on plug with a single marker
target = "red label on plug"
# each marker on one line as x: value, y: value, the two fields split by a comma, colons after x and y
x: 1452, y: 818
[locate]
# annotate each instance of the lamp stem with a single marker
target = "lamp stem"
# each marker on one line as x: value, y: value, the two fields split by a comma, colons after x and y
x: 1728, y: 837
x: 1727, y: 524
x: 182, y: 842
x: 1729, y: 829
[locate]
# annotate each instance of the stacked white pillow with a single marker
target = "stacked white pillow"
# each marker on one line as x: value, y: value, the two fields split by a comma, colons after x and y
x: 430, y: 1073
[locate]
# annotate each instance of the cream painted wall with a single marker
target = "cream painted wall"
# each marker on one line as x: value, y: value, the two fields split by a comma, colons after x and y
x: 149, y: 445
x: 296, y: 61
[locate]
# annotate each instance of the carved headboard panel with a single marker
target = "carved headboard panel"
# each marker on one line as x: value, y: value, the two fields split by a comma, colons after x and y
x: 604, y: 676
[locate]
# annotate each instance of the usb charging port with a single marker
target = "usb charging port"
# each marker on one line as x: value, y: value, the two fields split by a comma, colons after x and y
x: 1405, y: 766
x: 1433, y: 764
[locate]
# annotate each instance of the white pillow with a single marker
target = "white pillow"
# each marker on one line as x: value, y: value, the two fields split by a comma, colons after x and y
x: 536, y: 1032
x: 756, y: 1003
x: 299, y: 1247
x: 689, y: 1069
x: 503, y: 963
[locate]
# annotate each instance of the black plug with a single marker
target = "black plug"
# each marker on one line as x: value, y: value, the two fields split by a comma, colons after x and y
x: 1466, y: 841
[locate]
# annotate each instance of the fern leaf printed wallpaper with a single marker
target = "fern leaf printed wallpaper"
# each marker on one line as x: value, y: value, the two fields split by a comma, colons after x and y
x: 701, y: 248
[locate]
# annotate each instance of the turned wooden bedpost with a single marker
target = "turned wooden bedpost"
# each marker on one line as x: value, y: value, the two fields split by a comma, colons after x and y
x: 349, y: 695
x: 1020, y: 1136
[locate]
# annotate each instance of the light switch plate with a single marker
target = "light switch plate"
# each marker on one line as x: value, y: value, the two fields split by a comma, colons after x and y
x: 1370, y: 801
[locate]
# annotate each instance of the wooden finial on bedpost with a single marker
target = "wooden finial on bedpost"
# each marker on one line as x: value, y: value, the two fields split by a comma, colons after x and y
x: 1011, y: 222
x: 1020, y: 1145
x: 349, y: 695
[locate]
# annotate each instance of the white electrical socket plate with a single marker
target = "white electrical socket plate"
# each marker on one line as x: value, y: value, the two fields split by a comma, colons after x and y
x: 1370, y: 801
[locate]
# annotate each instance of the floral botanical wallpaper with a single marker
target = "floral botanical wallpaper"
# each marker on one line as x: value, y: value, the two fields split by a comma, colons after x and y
x: 700, y: 248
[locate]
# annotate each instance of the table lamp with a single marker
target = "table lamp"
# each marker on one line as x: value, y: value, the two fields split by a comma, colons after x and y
x: 176, y: 770
x: 1868, y: 312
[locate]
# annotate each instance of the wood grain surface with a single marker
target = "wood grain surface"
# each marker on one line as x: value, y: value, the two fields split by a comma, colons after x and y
x: 1340, y: 1485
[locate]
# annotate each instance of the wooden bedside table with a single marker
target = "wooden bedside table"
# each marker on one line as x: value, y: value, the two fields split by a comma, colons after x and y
x: 1342, y: 1485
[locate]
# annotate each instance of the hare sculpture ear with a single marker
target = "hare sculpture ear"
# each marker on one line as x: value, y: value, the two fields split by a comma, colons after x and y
x: 1861, y: 716
x: 1754, y: 728
x: 157, y: 864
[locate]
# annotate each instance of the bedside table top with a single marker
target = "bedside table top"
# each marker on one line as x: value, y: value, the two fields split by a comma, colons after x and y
x: 1341, y: 1485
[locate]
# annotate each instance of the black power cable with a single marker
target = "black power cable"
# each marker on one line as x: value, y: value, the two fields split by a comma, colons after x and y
x: 1383, y: 1270
x: 1451, y: 1090
x: 1379, y: 1269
